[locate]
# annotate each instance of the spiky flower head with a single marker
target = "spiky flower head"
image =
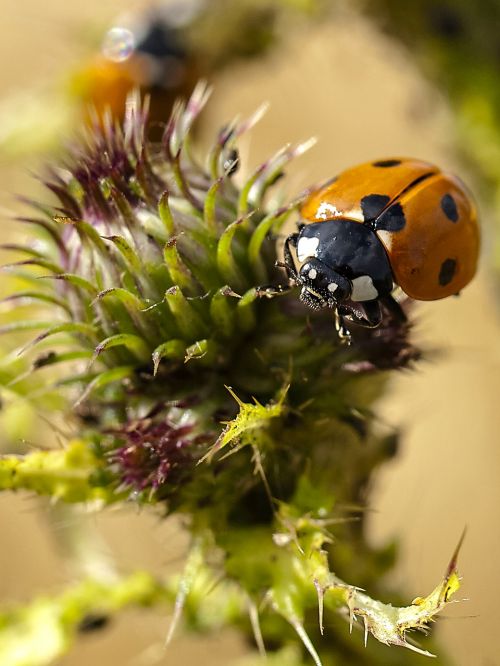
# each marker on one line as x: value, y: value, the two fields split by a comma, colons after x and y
x: 147, y: 272
x: 151, y: 310
x: 189, y: 390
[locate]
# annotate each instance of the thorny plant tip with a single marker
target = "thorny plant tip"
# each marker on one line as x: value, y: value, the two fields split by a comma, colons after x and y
x: 142, y: 285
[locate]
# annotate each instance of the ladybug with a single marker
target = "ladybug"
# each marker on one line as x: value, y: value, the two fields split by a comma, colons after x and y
x: 147, y: 51
x: 392, y: 222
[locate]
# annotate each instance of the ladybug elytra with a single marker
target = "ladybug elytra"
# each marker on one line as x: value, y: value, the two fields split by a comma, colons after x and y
x: 393, y: 222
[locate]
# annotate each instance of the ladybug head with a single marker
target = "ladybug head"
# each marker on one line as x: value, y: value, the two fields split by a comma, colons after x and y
x: 322, y: 286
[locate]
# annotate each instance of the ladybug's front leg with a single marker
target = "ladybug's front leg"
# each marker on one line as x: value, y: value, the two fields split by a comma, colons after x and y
x: 367, y: 314
x: 343, y: 332
x: 272, y: 290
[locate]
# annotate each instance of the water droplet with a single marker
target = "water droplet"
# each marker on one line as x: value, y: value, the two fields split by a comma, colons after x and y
x: 118, y: 44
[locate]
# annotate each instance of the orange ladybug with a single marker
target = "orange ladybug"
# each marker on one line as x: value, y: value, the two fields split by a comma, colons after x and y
x: 397, y: 221
x: 148, y: 51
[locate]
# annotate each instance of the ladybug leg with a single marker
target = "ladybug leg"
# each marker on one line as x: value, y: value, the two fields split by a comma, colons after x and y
x: 368, y: 314
x: 272, y: 290
x: 394, y: 309
x: 373, y: 314
x: 343, y: 332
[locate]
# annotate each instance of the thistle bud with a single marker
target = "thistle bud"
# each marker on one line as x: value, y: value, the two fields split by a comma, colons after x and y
x: 191, y: 390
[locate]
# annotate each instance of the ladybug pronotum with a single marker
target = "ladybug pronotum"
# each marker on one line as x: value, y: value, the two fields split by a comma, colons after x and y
x: 392, y: 222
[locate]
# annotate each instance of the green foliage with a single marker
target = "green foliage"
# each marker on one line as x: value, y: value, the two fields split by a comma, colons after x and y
x: 70, y: 474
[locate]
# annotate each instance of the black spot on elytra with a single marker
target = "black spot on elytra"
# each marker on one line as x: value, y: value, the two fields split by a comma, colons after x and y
x: 449, y: 207
x: 372, y: 205
x: 386, y: 163
x: 392, y: 219
x: 447, y: 271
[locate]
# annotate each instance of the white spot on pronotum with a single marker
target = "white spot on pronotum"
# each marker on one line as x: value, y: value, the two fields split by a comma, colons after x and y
x: 312, y: 274
x: 306, y: 247
x: 332, y: 287
x: 363, y: 289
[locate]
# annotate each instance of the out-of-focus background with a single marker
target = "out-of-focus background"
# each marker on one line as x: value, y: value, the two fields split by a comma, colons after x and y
x: 363, y: 97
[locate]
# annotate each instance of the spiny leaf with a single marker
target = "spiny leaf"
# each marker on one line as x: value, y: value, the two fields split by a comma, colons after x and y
x: 25, y: 249
x: 226, y: 260
x: 228, y: 137
x: 130, y: 300
x: 387, y: 623
x: 185, y: 188
x: 75, y: 280
x: 246, y: 310
x: 66, y: 474
x: 74, y: 328
x: 209, y: 215
x: 203, y: 350
x: 222, y: 310
x: 41, y: 263
x: 192, y: 569
x: 186, y: 113
x: 201, y: 264
x: 275, y: 219
x: 86, y: 230
x: 251, y: 418
x: 104, y: 379
x: 190, y: 324
x: 126, y: 212
x: 166, y: 214
x: 153, y: 226
x: 132, y: 342
x: 30, y: 296
x: 173, y: 349
x: 26, y: 276
x: 126, y: 250
x: 179, y: 272
x: 28, y: 325
x: 70, y: 206
x: 48, y: 226
x: 298, y: 625
x: 273, y: 168
x: 47, y: 360
x: 244, y: 201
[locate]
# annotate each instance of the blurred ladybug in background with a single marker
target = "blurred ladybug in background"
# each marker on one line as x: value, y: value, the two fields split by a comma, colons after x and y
x: 392, y: 222
x: 148, y: 51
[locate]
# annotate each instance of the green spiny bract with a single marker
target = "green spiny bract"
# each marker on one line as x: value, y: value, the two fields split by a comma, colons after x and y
x: 247, y: 414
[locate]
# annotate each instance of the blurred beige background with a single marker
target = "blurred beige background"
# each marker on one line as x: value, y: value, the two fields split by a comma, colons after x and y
x: 363, y: 98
